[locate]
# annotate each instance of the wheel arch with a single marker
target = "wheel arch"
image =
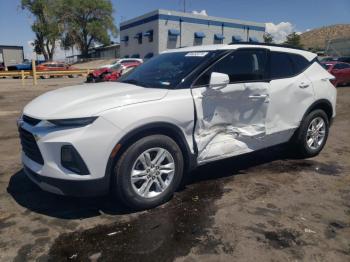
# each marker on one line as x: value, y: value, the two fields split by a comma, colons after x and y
x: 322, y: 104
x: 159, y: 128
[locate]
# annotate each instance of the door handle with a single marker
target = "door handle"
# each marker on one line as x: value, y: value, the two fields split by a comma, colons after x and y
x: 257, y: 96
x: 304, y: 85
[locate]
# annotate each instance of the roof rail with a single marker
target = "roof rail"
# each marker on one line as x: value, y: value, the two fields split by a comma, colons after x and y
x: 265, y: 44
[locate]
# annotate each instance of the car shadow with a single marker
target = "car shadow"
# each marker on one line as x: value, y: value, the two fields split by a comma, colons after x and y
x: 30, y: 196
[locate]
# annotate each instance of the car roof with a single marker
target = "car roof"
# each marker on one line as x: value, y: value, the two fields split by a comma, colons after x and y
x: 308, y: 55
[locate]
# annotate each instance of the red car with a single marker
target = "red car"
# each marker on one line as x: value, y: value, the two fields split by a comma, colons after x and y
x: 53, y: 66
x: 112, y: 73
x: 113, y: 76
x: 340, y: 70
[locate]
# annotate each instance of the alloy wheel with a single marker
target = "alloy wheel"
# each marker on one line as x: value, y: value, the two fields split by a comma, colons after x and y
x: 316, y: 133
x: 152, y: 172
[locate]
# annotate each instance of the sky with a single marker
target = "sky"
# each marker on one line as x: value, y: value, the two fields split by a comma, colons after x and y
x: 281, y: 16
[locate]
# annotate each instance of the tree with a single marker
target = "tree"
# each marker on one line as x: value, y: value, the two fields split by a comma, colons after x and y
x: 293, y: 40
x: 47, y: 25
x: 88, y: 22
x: 268, y: 38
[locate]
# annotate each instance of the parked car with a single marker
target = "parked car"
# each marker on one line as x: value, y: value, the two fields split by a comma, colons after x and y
x: 123, y: 60
x: 54, y: 66
x: 26, y: 65
x: 340, y: 70
x: 98, y: 75
x: 115, y: 75
x: 182, y: 109
x: 345, y: 59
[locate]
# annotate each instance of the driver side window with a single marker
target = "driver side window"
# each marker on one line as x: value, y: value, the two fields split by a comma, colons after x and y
x: 240, y: 66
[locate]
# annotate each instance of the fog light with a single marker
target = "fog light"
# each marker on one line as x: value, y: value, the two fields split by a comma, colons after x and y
x: 71, y: 160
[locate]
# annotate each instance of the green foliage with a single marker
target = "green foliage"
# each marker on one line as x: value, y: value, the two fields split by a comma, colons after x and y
x: 293, y: 40
x: 88, y: 22
x: 47, y: 25
x: 79, y: 23
x: 268, y: 38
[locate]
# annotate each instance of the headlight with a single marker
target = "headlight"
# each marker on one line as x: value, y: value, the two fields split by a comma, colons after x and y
x: 76, y: 122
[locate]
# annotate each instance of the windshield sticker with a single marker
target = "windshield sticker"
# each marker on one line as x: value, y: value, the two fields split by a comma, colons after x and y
x: 196, y: 54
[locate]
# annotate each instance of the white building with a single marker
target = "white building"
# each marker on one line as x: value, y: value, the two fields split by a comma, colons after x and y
x: 154, y: 32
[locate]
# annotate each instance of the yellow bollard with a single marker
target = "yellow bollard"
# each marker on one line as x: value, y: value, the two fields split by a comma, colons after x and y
x: 34, y: 72
x: 22, y: 77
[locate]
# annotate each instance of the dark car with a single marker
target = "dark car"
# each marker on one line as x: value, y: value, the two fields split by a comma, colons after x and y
x: 340, y: 70
x: 345, y: 59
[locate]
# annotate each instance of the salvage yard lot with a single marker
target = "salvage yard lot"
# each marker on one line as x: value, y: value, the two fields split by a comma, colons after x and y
x: 264, y: 206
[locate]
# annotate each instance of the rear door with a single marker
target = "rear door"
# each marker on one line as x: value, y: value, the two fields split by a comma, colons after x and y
x: 291, y: 94
x: 343, y: 72
x: 347, y: 73
x: 231, y: 118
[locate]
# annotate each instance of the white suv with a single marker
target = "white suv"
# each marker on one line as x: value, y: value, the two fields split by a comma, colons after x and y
x: 184, y: 108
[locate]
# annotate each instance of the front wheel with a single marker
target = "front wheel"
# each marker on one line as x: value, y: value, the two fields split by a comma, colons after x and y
x: 148, y: 172
x: 312, y: 134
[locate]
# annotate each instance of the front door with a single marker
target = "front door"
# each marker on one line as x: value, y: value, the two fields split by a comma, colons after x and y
x: 231, y: 118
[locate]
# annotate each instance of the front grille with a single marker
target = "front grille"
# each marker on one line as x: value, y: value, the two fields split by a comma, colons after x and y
x: 31, y: 121
x: 30, y: 147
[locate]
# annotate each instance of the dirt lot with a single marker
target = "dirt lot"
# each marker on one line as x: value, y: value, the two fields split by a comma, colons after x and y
x: 264, y: 206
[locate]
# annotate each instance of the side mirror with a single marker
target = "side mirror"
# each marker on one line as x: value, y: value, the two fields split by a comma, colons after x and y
x: 219, y: 80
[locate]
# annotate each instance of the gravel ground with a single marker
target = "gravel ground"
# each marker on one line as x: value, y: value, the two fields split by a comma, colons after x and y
x: 264, y: 206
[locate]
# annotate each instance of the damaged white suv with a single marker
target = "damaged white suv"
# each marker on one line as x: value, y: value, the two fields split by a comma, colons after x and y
x: 183, y: 108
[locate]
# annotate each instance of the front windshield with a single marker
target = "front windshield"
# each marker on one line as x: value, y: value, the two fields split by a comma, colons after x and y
x: 116, y: 67
x: 165, y: 70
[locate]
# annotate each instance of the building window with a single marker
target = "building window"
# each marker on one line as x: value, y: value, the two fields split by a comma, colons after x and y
x: 138, y: 36
x: 198, y: 38
x: 149, y: 55
x: 173, y: 34
x: 237, y: 38
x: 149, y: 34
x: 253, y: 40
x: 218, y: 39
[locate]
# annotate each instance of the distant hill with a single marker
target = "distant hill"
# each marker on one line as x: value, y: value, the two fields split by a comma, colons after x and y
x: 316, y: 38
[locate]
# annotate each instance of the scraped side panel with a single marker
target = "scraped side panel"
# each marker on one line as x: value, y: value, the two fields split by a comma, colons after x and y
x: 229, y: 121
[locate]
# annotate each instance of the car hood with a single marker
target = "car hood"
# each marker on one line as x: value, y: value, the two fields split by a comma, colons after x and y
x: 89, y: 100
x: 99, y: 71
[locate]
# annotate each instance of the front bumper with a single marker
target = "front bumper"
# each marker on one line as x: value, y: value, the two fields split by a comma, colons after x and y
x: 77, y: 188
x: 94, y: 143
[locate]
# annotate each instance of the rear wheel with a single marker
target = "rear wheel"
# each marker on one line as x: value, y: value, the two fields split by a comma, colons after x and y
x: 312, y: 134
x: 148, y: 172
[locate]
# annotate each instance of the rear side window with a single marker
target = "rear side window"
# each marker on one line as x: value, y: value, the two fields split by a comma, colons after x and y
x: 300, y: 63
x: 241, y: 66
x: 281, y: 65
x: 341, y: 66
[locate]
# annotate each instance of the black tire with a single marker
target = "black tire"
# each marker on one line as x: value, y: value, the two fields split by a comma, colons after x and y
x: 299, y: 142
x: 121, y: 183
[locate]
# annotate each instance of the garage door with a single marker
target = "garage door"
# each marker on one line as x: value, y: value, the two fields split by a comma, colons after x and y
x: 12, y: 56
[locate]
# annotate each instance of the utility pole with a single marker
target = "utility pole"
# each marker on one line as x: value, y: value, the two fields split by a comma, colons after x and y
x: 184, y: 3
